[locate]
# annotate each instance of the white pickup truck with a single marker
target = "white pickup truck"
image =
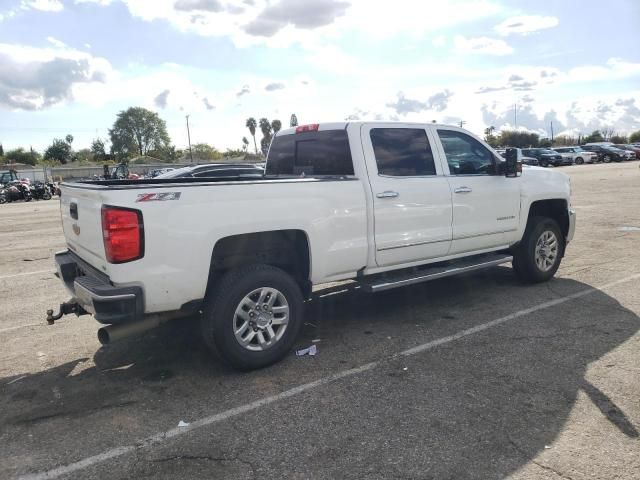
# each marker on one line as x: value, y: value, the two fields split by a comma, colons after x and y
x: 384, y: 204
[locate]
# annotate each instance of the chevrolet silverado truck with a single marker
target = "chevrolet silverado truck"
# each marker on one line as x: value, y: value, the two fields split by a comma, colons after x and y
x: 382, y: 204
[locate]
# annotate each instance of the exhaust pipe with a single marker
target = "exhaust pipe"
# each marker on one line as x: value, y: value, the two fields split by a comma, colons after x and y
x: 114, y: 333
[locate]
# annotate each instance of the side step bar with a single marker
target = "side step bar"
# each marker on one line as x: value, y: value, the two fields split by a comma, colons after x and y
x: 379, y: 283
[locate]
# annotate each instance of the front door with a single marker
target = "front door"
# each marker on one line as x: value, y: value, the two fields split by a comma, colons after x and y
x: 411, y: 195
x: 486, y: 206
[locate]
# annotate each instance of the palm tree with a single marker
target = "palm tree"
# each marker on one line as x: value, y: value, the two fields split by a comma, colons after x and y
x: 251, y: 125
x: 265, y: 127
x: 276, y: 125
x: 245, y: 143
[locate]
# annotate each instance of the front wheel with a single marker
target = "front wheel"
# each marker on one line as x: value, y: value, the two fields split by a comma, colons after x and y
x: 252, y: 317
x: 544, y: 163
x: 606, y: 159
x: 46, y: 195
x: 579, y: 161
x: 537, y: 258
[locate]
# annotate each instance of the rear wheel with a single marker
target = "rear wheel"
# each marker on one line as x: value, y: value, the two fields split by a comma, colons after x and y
x: 606, y: 159
x: 544, y: 163
x: 537, y: 258
x: 579, y: 161
x: 46, y: 195
x: 253, y: 316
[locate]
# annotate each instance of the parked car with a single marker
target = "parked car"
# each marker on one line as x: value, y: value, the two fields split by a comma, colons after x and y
x: 531, y: 161
x: 547, y: 157
x: 577, y: 154
x: 215, y: 170
x: 369, y: 202
x: 158, y: 171
x: 630, y: 148
x: 8, y: 176
x: 605, y: 153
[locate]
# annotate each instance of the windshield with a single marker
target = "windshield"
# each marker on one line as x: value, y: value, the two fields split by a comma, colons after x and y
x: 179, y: 172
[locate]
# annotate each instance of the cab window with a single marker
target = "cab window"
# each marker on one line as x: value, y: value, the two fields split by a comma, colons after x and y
x: 402, y: 152
x: 466, y: 155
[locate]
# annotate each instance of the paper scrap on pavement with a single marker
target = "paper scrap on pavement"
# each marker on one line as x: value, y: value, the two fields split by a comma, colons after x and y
x: 182, y: 424
x: 312, y: 350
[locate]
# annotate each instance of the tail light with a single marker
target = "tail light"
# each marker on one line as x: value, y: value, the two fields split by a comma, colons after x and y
x: 313, y: 127
x: 123, y: 234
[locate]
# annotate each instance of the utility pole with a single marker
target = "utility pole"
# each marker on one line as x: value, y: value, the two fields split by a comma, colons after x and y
x: 462, y: 122
x: 189, y: 137
x: 551, y: 133
x: 515, y: 115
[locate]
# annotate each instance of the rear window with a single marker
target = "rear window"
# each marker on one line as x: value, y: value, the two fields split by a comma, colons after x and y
x: 311, y: 153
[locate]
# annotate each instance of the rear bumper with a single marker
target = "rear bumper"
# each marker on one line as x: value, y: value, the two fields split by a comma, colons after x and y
x: 94, y: 292
x: 572, y: 225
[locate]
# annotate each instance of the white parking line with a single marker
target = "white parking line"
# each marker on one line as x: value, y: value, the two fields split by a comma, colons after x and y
x: 25, y: 273
x: 233, y: 412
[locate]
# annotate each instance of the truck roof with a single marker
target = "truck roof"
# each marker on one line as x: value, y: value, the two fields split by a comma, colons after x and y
x: 342, y: 125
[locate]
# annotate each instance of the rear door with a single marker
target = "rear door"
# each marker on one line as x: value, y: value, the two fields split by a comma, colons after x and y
x: 411, y: 196
x: 486, y: 206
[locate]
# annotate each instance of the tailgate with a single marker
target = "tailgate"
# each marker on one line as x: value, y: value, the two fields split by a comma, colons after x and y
x: 80, y: 209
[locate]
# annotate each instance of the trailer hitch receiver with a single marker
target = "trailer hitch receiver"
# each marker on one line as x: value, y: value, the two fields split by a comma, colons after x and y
x: 65, y: 309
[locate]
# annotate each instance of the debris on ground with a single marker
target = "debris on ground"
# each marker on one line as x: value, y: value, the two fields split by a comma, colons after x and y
x: 311, y: 351
x: 315, y: 340
x: 182, y: 423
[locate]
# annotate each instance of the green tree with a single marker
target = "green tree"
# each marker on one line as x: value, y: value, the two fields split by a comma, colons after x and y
x: 596, y: 136
x: 83, y: 155
x: 635, y: 137
x: 1, y: 151
x: 138, y: 131
x: 203, y: 151
x: 245, y: 144
x: 59, y: 151
x: 276, y: 125
x: 544, y: 142
x: 267, y: 129
x: 619, y: 139
x: 20, y: 155
x: 565, y: 140
x: 513, y: 138
x: 251, y: 125
x: 69, y: 139
x: 489, y: 137
x: 98, y: 150
x: 232, y: 153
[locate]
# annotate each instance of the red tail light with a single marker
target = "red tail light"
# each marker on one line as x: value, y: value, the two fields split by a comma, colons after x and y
x: 313, y: 127
x: 123, y: 234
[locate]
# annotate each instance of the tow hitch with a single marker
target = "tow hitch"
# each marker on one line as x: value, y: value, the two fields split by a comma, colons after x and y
x: 65, y: 309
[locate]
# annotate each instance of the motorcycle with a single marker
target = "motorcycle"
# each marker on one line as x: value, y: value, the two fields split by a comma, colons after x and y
x: 40, y: 191
x: 17, y: 190
x: 4, y: 195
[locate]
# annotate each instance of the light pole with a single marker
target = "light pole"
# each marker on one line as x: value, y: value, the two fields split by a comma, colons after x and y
x: 189, y: 137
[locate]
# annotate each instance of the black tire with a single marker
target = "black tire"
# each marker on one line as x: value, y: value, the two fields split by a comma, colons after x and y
x: 606, y: 159
x: 544, y: 163
x: 46, y: 195
x: 524, y: 256
x: 220, y: 315
x: 579, y: 161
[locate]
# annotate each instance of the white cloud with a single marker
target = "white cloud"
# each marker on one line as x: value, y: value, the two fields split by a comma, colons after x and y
x: 525, y: 24
x: 55, y: 42
x: 34, y: 78
x: 44, y: 5
x: 284, y: 22
x: 481, y: 45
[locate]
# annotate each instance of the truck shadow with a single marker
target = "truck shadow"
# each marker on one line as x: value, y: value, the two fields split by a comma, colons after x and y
x: 522, y: 387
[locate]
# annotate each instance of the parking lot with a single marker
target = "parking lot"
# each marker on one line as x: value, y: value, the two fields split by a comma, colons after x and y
x: 474, y: 376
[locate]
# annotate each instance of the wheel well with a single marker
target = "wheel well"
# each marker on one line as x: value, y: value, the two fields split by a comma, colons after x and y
x: 556, y: 209
x: 285, y: 249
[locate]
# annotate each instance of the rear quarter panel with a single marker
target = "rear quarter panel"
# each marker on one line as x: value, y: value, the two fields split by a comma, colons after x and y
x: 180, y: 234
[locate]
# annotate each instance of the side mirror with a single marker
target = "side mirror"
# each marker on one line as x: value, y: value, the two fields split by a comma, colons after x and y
x: 513, y: 167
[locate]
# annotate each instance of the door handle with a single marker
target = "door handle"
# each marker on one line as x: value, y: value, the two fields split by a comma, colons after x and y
x: 463, y: 190
x: 387, y: 194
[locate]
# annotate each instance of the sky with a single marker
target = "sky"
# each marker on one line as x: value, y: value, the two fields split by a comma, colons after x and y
x: 69, y: 66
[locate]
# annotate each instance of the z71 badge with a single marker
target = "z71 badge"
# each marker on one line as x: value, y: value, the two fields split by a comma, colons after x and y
x: 158, y: 197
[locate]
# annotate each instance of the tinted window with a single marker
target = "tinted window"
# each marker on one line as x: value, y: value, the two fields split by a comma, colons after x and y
x: 402, y: 152
x: 465, y: 155
x: 228, y: 172
x: 311, y: 153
